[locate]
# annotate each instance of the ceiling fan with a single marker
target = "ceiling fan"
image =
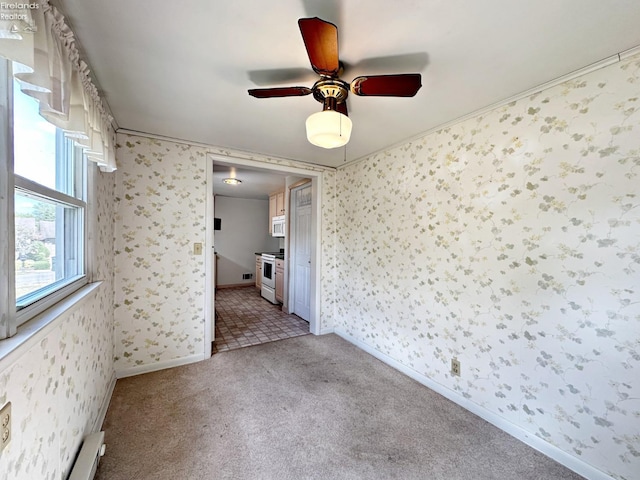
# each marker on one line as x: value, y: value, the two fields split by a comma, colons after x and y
x: 331, y: 128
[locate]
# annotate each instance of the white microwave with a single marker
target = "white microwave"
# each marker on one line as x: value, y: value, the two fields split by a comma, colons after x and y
x: 278, y: 226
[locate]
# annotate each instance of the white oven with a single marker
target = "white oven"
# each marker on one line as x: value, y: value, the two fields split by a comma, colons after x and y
x: 278, y: 226
x: 268, y: 290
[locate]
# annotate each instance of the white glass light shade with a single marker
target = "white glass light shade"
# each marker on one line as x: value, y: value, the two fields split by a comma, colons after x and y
x: 328, y: 129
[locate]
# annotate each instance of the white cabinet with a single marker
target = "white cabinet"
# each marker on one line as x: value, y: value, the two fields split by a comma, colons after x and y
x: 276, y: 207
x: 279, y: 280
x: 259, y: 272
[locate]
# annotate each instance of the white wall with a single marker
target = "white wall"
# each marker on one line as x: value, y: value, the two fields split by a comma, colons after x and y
x: 510, y: 241
x: 245, y: 230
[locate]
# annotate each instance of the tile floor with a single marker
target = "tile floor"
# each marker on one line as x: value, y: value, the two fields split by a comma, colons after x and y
x: 244, y: 318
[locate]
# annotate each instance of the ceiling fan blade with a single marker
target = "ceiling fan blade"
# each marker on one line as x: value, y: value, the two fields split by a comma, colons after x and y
x: 321, y: 41
x: 403, y: 85
x: 279, y: 92
x: 342, y: 108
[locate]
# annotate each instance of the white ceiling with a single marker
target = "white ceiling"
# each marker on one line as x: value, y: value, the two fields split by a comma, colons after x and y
x: 182, y: 69
x: 256, y: 183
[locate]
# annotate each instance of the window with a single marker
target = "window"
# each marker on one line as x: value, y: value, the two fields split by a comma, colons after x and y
x: 44, y: 176
x: 48, y: 176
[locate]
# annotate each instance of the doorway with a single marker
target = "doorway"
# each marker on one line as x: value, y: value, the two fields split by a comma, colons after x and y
x: 314, y: 194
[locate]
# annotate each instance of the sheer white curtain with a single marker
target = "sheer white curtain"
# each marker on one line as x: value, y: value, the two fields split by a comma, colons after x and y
x: 47, y: 66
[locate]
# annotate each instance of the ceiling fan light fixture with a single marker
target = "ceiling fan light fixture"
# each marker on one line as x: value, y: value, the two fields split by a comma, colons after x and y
x: 232, y: 181
x: 328, y: 129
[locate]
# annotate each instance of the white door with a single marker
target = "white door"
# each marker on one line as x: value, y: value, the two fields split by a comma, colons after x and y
x: 302, y: 251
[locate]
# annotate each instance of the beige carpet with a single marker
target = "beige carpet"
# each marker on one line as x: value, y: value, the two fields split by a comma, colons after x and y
x: 302, y: 408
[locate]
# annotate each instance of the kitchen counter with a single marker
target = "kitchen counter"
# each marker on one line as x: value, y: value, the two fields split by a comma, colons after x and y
x: 279, y: 255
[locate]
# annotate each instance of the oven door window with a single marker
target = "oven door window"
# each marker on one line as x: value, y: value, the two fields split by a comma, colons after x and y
x: 267, y: 270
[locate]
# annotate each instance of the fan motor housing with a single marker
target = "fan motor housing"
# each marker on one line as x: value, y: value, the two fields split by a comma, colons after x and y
x: 330, y: 88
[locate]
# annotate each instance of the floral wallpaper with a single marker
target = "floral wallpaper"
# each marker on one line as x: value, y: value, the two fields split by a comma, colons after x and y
x: 58, y: 386
x: 159, y: 313
x: 160, y: 284
x: 511, y: 241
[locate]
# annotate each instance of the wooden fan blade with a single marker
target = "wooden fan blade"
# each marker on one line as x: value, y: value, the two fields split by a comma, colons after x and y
x: 342, y: 108
x: 321, y: 41
x: 279, y: 92
x: 403, y: 85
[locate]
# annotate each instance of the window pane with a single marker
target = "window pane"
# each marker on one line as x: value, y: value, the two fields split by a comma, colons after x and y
x: 34, y: 141
x: 49, y: 246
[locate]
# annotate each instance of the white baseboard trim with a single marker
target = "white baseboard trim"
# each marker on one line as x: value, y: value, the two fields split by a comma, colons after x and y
x: 154, y: 367
x: 326, y: 331
x: 102, y: 413
x: 560, y: 456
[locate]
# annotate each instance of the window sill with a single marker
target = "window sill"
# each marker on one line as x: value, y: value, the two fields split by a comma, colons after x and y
x: 29, y: 334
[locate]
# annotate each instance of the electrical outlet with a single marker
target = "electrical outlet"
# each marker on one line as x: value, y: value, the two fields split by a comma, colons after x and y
x: 5, y: 426
x: 197, y: 249
x: 455, y: 367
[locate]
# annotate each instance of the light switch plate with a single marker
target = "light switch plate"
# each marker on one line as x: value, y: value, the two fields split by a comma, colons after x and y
x: 197, y: 249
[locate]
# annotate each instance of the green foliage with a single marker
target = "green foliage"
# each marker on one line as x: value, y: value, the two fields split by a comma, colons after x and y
x: 44, y: 211
x: 41, y: 265
x: 37, y: 252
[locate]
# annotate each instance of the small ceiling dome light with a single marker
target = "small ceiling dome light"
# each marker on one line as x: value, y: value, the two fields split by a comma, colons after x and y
x: 232, y: 181
x: 328, y: 129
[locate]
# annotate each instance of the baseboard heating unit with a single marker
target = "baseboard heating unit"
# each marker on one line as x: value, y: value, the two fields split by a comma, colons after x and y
x: 87, y: 462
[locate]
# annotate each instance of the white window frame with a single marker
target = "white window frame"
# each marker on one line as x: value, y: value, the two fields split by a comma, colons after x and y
x: 11, y: 318
x: 8, y: 326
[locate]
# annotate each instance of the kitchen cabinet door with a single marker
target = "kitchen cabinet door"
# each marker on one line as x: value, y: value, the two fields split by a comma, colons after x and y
x: 279, y: 280
x: 258, y: 272
x: 280, y: 203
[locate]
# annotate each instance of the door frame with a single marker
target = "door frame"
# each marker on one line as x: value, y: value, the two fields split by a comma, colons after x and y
x: 316, y: 177
x: 210, y: 264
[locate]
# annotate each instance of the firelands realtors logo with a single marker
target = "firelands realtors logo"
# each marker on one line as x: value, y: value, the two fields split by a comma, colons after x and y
x: 18, y: 16
x: 12, y: 11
